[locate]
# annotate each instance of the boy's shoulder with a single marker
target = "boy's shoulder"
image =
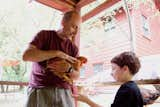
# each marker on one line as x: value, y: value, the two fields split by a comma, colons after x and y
x: 131, y: 86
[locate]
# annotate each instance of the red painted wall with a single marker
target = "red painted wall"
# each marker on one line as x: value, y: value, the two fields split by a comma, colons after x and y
x: 118, y: 39
x: 147, y: 46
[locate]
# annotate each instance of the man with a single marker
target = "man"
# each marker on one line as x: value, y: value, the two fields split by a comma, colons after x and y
x: 46, y: 89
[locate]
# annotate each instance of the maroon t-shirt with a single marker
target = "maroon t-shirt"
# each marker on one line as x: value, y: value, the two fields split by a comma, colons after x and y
x: 49, y: 40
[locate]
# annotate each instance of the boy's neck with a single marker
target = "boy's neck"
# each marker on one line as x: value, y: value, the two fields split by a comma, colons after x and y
x: 127, y: 78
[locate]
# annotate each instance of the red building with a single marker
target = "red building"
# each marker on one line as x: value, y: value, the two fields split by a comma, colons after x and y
x: 116, y: 37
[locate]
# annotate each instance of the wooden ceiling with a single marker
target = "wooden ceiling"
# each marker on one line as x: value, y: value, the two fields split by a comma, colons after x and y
x: 66, y: 5
x: 98, y: 9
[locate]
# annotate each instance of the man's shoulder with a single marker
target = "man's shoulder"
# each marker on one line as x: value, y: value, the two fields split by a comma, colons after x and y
x: 47, y: 31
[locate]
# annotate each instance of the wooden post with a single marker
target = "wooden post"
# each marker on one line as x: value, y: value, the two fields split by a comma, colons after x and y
x: 76, y: 40
x: 132, y: 37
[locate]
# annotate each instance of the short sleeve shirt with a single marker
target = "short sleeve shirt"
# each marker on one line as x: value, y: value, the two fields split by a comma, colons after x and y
x: 49, y: 40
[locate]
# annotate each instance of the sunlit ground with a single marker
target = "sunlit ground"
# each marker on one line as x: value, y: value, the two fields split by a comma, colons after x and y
x: 106, y: 101
x: 106, y: 97
x: 12, y: 99
x: 103, y: 97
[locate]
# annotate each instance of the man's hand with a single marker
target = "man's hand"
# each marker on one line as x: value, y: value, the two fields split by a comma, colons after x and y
x: 66, y: 57
x: 59, y: 66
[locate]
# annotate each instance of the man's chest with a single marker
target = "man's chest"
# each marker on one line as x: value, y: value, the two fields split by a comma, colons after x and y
x: 59, y: 45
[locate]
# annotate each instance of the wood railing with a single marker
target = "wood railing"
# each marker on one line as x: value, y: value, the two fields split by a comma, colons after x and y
x: 81, y: 86
x: 13, y: 83
x: 140, y: 82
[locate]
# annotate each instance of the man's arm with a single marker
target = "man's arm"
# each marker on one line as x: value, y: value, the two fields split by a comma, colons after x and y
x: 36, y: 55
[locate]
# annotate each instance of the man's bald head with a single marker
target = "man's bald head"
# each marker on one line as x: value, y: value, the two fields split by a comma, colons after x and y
x: 70, y: 24
x: 68, y: 15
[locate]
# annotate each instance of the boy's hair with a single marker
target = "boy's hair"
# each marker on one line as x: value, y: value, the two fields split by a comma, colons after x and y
x: 67, y: 16
x: 127, y: 59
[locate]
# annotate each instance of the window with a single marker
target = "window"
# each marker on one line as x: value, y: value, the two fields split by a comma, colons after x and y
x: 98, y: 67
x: 145, y: 26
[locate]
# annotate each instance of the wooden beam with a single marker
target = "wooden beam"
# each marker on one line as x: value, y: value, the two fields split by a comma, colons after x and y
x: 82, y: 3
x: 71, y: 2
x: 139, y: 82
x: 99, y: 9
x: 58, y: 4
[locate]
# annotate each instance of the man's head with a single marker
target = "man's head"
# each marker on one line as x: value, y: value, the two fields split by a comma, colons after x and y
x: 125, y: 65
x: 70, y: 23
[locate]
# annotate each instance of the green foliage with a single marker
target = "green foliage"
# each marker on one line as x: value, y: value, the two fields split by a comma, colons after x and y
x: 19, y: 22
x: 15, y: 73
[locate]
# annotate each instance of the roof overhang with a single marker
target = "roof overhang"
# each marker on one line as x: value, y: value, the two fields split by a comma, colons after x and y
x: 66, y: 5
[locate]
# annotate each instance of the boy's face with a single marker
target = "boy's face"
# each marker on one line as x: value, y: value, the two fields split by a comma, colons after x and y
x: 117, y: 72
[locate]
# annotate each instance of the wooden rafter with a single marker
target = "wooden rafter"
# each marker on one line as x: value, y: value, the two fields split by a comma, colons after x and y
x: 62, y: 5
x: 99, y: 9
x: 70, y: 2
x: 82, y: 3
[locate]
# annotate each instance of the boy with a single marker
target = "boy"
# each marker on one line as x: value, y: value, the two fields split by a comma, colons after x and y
x: 124, y: 67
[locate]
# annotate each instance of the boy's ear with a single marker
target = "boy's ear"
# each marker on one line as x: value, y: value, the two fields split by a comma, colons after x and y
x: 125, y: 68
